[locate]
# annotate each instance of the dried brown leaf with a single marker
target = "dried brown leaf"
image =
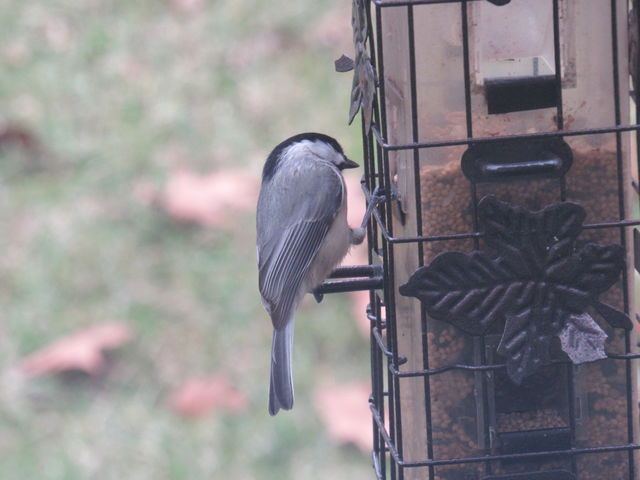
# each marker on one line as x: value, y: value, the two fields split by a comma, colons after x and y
x: 344, y: 410
x: 188, y: 6
x: 19, y: 137
x: 333, y: 28
x: 210, y: 200
x: 200, y: 396
x: 82, y: 350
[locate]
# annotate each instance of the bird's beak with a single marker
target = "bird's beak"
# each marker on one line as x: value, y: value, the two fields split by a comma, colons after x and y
x: 349, y: 164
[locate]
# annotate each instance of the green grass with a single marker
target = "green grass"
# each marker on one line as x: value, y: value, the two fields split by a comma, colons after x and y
x: 121, y: 92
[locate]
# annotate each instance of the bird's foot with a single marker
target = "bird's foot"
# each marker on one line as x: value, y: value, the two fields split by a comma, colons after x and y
x: 374, y: 199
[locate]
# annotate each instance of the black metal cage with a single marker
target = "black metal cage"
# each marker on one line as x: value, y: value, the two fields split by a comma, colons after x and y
x: 452, y: 400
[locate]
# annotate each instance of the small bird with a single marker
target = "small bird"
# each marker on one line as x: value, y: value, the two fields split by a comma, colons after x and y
x: 302, y: 235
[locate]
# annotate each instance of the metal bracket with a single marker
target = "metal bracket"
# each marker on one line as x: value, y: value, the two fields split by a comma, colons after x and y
x: 522, y: 160
x: 505, y: 95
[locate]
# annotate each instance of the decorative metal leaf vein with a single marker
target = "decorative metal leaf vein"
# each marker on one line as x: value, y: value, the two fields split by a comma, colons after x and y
x: 539, y: 285
x: 364, y: 84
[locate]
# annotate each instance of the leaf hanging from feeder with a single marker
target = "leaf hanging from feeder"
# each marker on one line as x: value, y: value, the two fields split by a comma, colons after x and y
x: 364, y: 79
x: 582, y: 339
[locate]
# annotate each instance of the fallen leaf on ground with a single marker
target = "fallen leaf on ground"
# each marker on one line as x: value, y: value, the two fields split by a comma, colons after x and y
x: 333, y: 28
x: 200, y: 396
x: 211, y: 200
x: 359, y: 300
x: 188, y: 6
x: 344, y: 410
x: 21, y: 138
x: 82, y: 350
x: 359, y: 303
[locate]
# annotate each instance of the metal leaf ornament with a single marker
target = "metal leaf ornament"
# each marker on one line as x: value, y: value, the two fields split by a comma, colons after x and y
x: 364, y: 80
x: 538, y: 286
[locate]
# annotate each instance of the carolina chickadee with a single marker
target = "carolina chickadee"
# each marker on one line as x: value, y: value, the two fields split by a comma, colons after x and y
x: 302, y: 235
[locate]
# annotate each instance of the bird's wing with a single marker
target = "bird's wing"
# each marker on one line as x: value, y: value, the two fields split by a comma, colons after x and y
x: 294, y: 216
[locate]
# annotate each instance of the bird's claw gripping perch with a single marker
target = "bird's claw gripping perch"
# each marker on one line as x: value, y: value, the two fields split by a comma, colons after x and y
x: 374, y: 199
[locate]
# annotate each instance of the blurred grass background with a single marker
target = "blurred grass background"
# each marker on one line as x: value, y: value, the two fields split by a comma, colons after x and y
x: 118, y: 93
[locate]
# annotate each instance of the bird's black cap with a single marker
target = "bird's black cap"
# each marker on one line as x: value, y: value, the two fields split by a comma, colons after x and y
x: 272, y: 161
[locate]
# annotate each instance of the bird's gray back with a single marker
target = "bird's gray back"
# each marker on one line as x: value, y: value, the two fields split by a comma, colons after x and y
x: 296, y: 209
x: 301, y: 191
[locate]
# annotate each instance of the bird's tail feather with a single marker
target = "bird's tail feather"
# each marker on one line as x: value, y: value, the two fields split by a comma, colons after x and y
x: 281, y: 385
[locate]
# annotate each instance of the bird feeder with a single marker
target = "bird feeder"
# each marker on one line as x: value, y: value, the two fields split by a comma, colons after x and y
x: 503, y: 135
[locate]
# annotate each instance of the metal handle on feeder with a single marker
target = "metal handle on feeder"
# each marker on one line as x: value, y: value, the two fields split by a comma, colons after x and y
x: 542, y: 166
x: 517, y: 160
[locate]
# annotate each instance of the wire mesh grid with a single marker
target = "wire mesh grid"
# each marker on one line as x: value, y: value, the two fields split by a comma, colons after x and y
x: 483, y: 457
